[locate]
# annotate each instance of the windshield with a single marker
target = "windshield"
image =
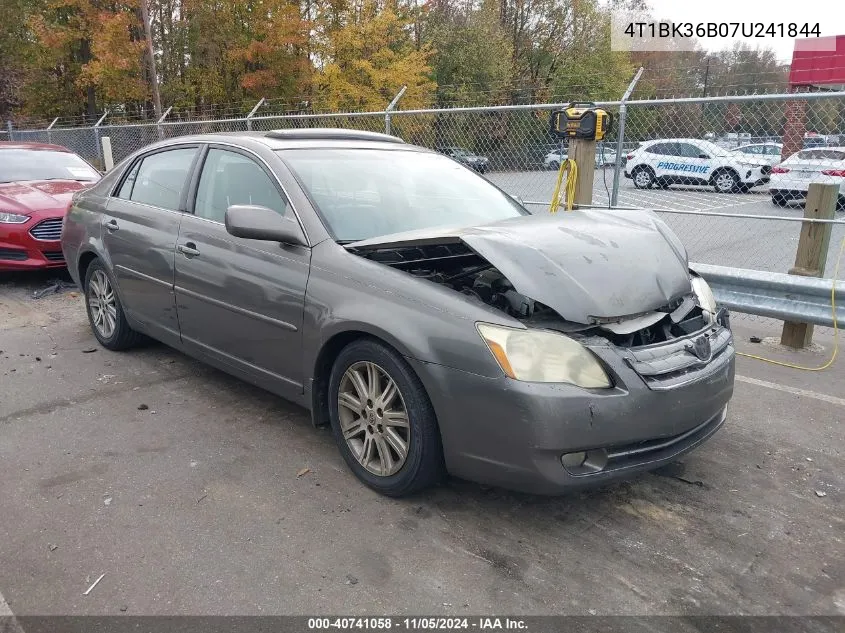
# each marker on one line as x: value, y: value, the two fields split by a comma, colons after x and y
x: 365, y: 193
x: 39, y: 164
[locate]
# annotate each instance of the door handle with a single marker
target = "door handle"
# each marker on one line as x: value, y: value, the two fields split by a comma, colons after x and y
x: 188, y: 250
x: 111, y: 225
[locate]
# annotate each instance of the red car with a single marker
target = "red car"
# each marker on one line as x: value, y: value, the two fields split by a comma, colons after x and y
x: 37, y: 182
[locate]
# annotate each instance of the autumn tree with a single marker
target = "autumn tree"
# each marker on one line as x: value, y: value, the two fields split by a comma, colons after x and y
x: 365, y: 52
x: 16, y: 49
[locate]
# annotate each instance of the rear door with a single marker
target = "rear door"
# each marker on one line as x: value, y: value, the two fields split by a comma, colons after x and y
x: 139, y: 235
x: 695, y: 164
x: 241, y: 301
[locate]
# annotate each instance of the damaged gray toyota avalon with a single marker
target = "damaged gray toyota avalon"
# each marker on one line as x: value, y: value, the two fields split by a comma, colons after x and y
x: 423, y: 313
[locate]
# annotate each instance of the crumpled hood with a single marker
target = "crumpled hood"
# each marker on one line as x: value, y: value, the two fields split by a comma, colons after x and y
x: 589, y: 266
x: 43, y: 195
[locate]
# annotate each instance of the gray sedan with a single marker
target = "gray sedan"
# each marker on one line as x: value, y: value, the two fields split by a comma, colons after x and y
x: 433, y: 322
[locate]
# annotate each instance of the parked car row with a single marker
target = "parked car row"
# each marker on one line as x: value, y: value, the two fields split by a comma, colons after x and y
x: 605, y: 157
x: 686, y: 161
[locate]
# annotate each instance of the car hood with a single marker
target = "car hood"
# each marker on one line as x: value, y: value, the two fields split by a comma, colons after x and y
x: 38, y: 195
x: 589, y: 266
x: 745, y: 159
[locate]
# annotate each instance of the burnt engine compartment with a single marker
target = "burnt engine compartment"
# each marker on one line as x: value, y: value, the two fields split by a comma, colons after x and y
x: 458, y: 267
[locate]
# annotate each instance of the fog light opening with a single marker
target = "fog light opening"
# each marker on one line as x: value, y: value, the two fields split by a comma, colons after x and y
x: 584, y: 462
x: 573, y: 460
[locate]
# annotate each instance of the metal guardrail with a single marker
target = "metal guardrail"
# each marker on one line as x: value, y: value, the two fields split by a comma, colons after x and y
x: 777, y: 295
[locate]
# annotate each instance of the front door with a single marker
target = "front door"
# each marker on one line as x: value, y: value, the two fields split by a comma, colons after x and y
x: 241, y: 301
x: 139, y: 235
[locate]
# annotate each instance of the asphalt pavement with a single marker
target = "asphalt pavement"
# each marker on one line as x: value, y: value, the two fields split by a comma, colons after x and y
x: 194, y: 493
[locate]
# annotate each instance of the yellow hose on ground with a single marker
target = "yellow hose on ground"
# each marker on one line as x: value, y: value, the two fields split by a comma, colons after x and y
x: 568, y: 167
x: 835, y: 326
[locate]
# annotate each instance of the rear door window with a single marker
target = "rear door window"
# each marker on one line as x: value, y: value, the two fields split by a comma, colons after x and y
x: 160, y: 179
x: 664, y: 149
x: 688, y: 150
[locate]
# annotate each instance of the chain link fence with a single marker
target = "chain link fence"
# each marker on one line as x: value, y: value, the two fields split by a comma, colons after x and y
x: 727, y: 173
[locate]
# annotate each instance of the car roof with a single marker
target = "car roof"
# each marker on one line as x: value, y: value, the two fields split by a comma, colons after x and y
x: 36, y: 146
x: 676, y: 140
x: 298, y: 139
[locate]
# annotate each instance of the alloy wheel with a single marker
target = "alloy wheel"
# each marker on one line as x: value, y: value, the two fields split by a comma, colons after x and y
x: 102, y: 304
x: 373, y: 418
x: 725, y: 182
x: 643, y: 178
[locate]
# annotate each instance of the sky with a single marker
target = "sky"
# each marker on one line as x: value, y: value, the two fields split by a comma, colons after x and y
x: 829, y: 14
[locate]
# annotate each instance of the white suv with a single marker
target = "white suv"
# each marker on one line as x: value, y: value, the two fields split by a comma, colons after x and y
x: 688, y: 161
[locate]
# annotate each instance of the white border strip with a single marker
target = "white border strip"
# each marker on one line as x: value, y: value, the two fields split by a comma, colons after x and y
x: 793, y: 390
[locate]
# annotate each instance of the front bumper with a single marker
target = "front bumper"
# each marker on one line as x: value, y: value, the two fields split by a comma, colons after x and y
x: 755, y: 176
x: 20, y: 251
x: 513, y: 434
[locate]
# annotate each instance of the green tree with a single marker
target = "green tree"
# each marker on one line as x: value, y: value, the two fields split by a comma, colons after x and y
x: 365, y: 53
x: 473, y: 55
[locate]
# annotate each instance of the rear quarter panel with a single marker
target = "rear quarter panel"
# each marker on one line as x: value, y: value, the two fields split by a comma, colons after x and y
x: 82, y: 231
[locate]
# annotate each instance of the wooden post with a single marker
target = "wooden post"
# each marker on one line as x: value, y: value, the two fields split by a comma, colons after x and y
x: 812, y: 253
x: 583, y: 152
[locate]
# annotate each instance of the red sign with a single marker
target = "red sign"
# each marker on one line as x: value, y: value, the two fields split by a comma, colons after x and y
x: 818, y: 67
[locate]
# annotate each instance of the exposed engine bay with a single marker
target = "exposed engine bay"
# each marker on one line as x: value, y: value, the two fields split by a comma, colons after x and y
x: 460, y: 268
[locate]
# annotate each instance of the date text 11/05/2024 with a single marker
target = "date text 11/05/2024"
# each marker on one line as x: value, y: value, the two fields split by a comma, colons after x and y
x: 434, y: 623
x: 721, y: 29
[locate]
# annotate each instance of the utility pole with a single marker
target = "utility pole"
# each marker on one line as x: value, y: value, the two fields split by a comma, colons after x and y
x: 148, y: 33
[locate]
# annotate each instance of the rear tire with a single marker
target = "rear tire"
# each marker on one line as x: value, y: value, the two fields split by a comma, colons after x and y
x: 105, y: 312
x: 369, y: 426
x: 643, y: 177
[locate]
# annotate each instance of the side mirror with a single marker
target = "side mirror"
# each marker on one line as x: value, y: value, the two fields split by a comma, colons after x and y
x: 260, y: 223
x: 703, y: 156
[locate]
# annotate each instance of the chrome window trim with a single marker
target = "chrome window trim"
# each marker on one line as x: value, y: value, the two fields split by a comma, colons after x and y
x: 288, y: 198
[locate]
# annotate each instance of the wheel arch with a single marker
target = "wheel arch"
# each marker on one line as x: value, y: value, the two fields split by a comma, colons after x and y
x: 722, y: 169
x: 328, y: 353
x: 83, y: 262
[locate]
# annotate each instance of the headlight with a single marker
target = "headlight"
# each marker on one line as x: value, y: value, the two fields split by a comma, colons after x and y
x: 538, y: 356
x: 12, y: 218
x: 705, y: 297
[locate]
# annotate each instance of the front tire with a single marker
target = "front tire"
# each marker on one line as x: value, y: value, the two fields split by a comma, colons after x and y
x: 382, y: 420
x: 105, y: 312
x: 726, y: 181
